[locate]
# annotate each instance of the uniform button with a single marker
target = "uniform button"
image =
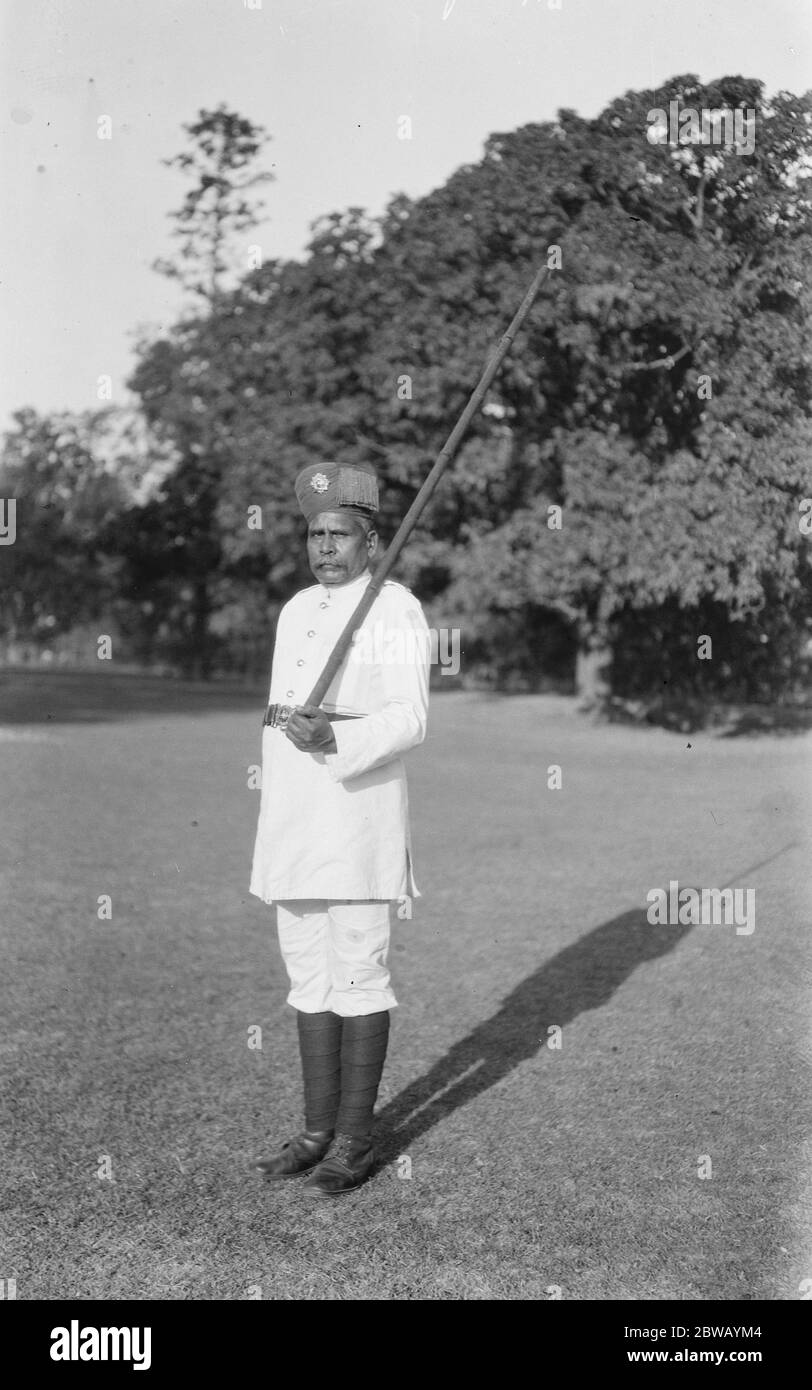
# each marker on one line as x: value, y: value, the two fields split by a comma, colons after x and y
x: 300, y: 663
x: 311, y: 633
x: 322, y: 605
x: 290, y: 695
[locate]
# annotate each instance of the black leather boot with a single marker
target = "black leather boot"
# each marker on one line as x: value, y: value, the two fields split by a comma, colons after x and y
x: 348, y: 1164
x: 297, y: 1155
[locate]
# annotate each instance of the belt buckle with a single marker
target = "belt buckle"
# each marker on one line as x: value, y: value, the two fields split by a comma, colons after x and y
x: 277, y: 716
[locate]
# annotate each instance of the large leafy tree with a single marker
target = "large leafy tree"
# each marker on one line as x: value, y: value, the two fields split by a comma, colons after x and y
x: 663, y: 399
x: 662, y: 394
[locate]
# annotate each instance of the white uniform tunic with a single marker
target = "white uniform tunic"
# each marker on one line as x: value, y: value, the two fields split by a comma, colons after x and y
x: 336, y: 825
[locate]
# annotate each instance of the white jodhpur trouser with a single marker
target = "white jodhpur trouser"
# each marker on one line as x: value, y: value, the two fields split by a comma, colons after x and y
x: 335, y: 954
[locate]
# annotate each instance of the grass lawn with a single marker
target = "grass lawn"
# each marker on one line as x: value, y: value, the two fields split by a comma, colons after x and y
x: 510, y: 1169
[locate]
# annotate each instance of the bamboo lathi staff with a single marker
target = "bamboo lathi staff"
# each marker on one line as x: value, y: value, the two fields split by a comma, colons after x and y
x: 424, y: 496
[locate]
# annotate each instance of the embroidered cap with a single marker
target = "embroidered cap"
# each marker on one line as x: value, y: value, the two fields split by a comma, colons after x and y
x: 326, y: 487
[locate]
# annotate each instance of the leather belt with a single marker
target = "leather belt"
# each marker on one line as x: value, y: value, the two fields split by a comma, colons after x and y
x: 277, y: 716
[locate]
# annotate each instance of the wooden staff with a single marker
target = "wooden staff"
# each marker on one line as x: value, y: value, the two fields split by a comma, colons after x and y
x: 424, y: 496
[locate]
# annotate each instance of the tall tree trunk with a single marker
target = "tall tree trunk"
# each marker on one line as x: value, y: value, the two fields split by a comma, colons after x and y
x: 592, y: 667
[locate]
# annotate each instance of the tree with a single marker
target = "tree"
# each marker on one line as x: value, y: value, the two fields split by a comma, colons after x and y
x: 186, y: 395
x: 225, y: 147
x: 58, y: 573
x: 661, y: 397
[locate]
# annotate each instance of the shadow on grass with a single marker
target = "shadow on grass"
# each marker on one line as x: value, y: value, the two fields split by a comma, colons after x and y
x: 88, y: 697
x: 583, y: 976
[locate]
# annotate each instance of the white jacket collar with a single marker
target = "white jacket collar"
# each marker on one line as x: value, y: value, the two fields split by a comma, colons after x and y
x: 333, y: 592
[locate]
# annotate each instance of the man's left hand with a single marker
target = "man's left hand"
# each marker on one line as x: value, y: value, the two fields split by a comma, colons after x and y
x: 309, y: 730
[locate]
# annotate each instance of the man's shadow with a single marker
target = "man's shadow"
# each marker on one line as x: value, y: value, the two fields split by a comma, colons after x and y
x: 581, y: 977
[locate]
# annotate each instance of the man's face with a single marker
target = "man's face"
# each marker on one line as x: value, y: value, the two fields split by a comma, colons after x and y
x: 339, y: 547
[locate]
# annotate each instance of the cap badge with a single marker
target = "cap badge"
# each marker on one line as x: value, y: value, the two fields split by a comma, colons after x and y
x: 319, y: 483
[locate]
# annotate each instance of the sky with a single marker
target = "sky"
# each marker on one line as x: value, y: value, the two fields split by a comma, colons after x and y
x: 330, y: 81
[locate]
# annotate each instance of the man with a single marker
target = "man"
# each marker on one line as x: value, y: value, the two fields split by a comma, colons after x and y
x: 333, y: 848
